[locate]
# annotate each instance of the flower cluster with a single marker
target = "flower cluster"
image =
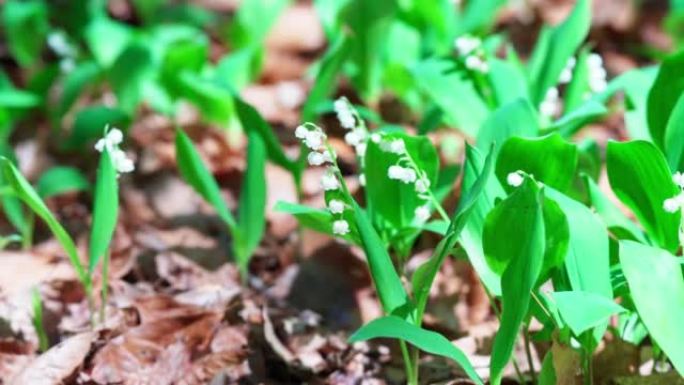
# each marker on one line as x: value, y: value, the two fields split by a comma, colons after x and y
x: 551, y: 105
x: 314, y: 139
x: 676, y: 203
x: 470, y: 48
x: 597, y: 73
x: 566, y: 74
x: 406, y: 171
x: 111, y: 141
x: 350, y: 120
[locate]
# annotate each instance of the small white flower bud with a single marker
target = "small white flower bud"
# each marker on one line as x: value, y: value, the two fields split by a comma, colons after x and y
x: 329, y: 182
x: 362, y: 179
x: 315, y: 158
x: 354, y: 137
x: 301, y: 131
x: 344, y: 113
x: 336, y: 206
x: 314, y: 139
x: 515, y: 179
x: 340, y: 227
x: 422, y: 185
x: 678, y: 179
x: 671, y: 205
x: 376, y: 138
x: 406, y: 175
x: 422, y: 213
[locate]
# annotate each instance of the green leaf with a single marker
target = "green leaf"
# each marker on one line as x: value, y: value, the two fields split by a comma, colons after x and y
x: 456, y: 96
x: 425, y: 274
x: 128, y: 75
x: 368, y: 22
x: 25, y: 25
x: 674, y: 136
x: 105, y: 210
x: 390, y: 199
x: 14, y: 98
x: 563, y: 41
x: 633, y: 83
x: 613, y: 217
x: 514, y: 243
x: 426, y: 340
x: 89, y: 123
x: 479, y: 16
x: 30, y: 197
x: 587, y: 263
x: 508, y: 81
x: 316, y: 219
x: 663, y: 96
x: 250, y: 119
x: 572, y: 122
x: 655, y: 281
x: 582, y: 310
x: 556, y: 238
x: 576, y: 91
x: 387, y: 282
x: 330, y: 66
x: 252, y: 205
x: 107, y: 39
x: 212, y: 99
x: 254, y: 19
x: 193, y: 170
x: 471, y: 237
x: 517, y: 118
x: 58, y: 180
x: 550, y: 159
x: 75, y: 83
x: 640, y: 178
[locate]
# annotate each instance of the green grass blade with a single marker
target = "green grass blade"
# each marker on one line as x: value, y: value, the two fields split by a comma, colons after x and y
x: 198, y: 176
x: 252, y: 205
x: 105, y: 210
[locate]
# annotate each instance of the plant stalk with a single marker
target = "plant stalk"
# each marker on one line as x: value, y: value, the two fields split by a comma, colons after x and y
x: 528, y: 354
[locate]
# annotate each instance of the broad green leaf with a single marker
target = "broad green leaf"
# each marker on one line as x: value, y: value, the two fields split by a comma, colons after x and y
x: 394, y: 200
x: 563, y: 41
x: 634, y: 83
x: 75, y: 83
x: 193, y: 170
x: 425, y: 274
x: 254, y: 19
x: 557, y: 238
x: 576, y: 91
x: 550, y: 159
x: 330, y: 67
x: 236, y: 69
x: 471, y: 237
x: 105, y: 210
x: 663, y: 96
x: 674, y: 136
x: 640, y: 178
x: 515, y: 241
x: 328, y: 12
x: 107, y: 39
x: 587, y: 263
x: 30, y: 197
x: 89, y: 122
x: 390, y: 290
x: 582, y: 310
x: 547, y: 373
x: 59, y: 180
x: 572, y: 122
x: 456, y: 96
x: 25, y: 26
x: 15, y: 98
x: 508, y: 81
x: 252, y: 205
x: 517, y: 118
x: 657, y: 288
x: 368, y: 22
x: 479, y: 16
x: 617, y: 222
x: 426, y: 340
x: 212, y: 99
x: 128, y: 75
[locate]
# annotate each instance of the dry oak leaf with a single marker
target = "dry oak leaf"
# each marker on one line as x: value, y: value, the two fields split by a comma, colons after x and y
x: 57, y: 364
